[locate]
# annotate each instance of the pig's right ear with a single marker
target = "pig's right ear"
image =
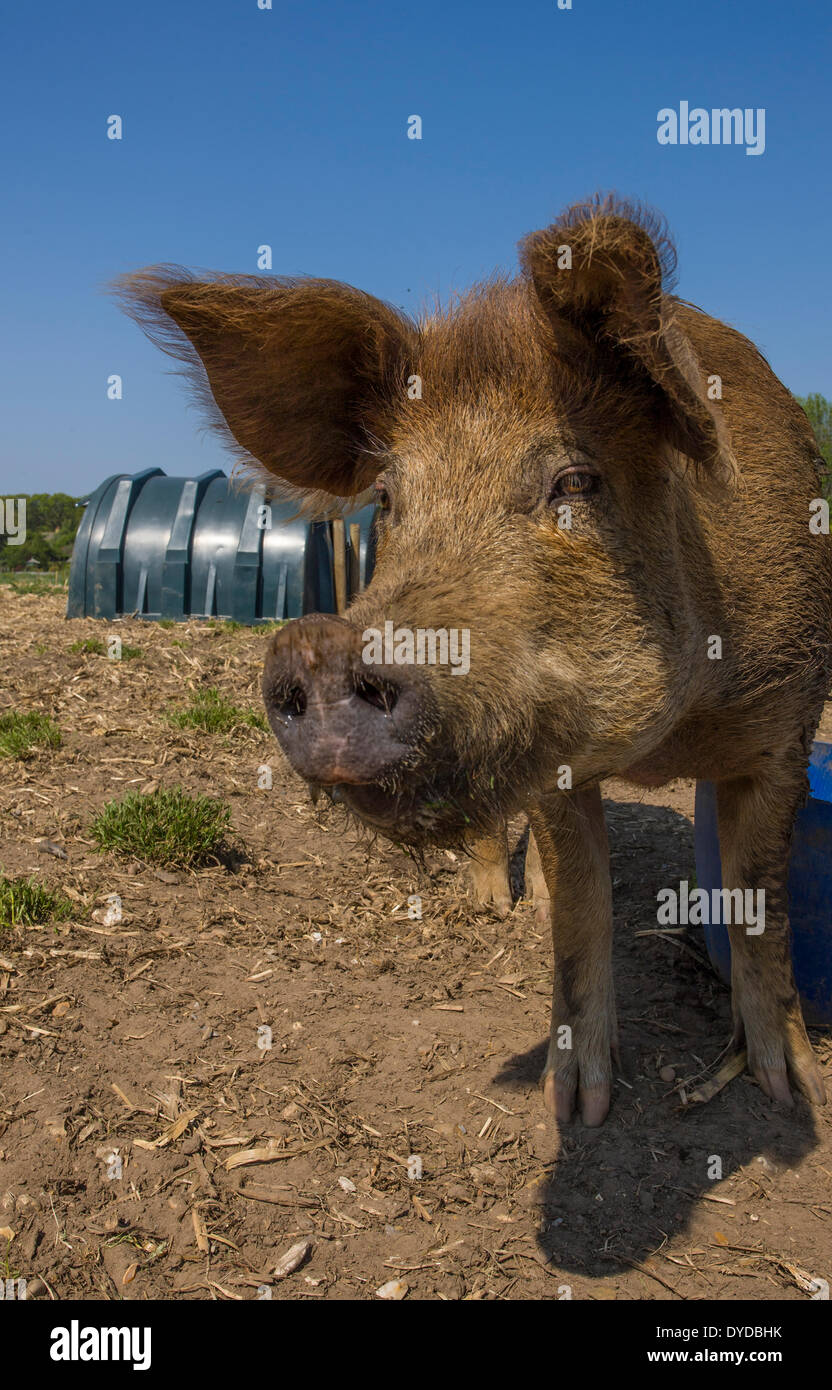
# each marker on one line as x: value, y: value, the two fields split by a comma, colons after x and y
x: 298, y: 375
x: 600, y: 273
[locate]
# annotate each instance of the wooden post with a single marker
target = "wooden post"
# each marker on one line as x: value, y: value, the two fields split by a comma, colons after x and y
x: 339, y: 558
x: 355, y: 559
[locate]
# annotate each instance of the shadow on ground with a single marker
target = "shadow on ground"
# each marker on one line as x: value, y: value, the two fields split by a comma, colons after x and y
x: 610, y: 1196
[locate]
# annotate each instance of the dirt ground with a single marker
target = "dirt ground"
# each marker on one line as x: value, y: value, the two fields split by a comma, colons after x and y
x: 396, y: 1041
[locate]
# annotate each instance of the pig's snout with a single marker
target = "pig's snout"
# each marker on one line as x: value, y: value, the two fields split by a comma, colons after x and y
x: 338, y: 719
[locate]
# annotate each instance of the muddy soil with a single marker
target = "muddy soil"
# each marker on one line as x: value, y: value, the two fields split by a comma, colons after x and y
x: 152, y: 1143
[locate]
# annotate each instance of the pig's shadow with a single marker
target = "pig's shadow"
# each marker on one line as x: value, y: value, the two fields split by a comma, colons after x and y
x: 617, y: 1192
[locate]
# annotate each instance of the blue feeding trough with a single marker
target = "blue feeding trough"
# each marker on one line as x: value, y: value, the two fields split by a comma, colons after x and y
x: 810, y: 886
x: 180, y: 548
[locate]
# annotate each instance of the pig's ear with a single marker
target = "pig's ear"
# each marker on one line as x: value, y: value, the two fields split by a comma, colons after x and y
x: 297, y: 375
x: 601, y: 274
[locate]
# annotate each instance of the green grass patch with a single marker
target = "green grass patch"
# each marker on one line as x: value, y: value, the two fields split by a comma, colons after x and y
x: 221, y: 625
x: 227, y: 625
x: 22, y: 583
x: 90, y: 646
x: 211, y: 712
x: 21, y: 734
x: 93, y: 646
x: 167, y: 827
x: 26, y: 903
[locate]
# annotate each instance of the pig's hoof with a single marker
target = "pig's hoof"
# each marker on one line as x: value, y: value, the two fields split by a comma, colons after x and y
x: 494, y: 902
x: 490, y: 888
x: 783, y: 1054
x: 559, y: 1099
x: 812, y: 1086
x: 542, y: 912
x: 805, y: 1077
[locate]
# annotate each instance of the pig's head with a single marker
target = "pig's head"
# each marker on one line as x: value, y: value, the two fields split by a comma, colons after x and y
x: 531, y: 449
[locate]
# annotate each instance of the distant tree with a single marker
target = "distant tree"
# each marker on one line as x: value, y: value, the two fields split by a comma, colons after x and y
x: 63, y: 541
x: 52, y: 511
x: 819, y: 411
x: 52, y: 519
x: 35, y: 547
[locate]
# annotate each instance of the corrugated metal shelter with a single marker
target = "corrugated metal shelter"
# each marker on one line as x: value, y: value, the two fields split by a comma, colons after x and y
x: 159, y: 547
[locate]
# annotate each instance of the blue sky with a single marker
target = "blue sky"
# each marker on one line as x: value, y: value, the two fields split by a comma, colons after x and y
x: 288, y: 126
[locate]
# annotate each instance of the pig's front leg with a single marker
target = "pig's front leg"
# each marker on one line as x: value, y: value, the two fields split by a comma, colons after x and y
x: 488, y: 873
x: 571, y: 838
x: 755, y: 827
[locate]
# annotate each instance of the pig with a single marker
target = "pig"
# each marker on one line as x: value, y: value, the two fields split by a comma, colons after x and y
x: 609, y: 491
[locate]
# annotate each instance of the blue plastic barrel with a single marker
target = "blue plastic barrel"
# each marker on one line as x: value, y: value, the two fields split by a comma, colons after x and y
x: 810, y: 886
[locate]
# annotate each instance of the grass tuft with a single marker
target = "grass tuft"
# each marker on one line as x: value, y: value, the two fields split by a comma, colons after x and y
x: 210, y: 711
x: 167, y: 827
x: 21, y: 734
x: 90, y: 646
x: 26, y: 903
x: 227, y: 625
x: 93, y: 646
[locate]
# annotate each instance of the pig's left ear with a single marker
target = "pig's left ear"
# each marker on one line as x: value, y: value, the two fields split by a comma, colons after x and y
x: 600, y: 273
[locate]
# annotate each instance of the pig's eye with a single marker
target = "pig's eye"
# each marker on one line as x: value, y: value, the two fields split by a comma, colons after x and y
x: 573, y: 484
x: 382, y: 497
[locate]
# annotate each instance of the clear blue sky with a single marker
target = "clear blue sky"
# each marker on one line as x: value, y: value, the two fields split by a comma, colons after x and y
x: 244, y: 126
